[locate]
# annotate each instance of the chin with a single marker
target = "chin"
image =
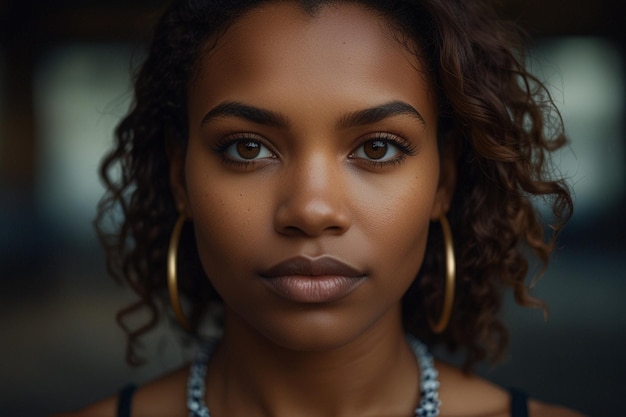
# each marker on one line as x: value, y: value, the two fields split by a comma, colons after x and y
x: 320, y: 330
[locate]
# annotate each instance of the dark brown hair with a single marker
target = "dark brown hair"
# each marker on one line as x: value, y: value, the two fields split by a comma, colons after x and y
x: 497, y: 117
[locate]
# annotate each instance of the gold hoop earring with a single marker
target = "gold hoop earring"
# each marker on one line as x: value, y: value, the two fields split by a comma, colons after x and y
x: 172, y: 284
x: 448, y: 300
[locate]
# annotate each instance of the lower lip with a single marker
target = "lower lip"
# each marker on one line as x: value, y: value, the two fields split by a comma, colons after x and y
x: 313, y: 289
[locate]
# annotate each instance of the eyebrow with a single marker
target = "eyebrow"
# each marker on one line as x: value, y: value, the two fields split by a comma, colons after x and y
x: 267, y: 117
x: 378, y: 113
x: 244, y: 111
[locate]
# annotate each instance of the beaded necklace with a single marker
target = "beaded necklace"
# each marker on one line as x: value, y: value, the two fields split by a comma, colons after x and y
x: 429, y: 385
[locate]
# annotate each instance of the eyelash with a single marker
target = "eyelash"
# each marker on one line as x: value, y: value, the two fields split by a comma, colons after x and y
x: 222, y: 146
x: 404, y: 147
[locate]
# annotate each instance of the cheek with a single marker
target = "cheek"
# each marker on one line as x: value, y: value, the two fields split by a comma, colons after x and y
x: 395, y: 224
x: 228, y: 221
x: 401, y: 230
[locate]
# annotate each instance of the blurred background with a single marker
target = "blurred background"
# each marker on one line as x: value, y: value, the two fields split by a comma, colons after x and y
x: 65, y: 70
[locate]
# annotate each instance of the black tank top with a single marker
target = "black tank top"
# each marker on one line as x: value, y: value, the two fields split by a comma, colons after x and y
x: 519, y: 402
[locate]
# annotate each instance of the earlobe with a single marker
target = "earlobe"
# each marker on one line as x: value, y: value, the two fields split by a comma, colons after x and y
x: 178, y: 186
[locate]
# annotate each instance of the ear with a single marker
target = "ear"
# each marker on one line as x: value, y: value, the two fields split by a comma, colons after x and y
x: 448, y: 171
x: 178, y: 185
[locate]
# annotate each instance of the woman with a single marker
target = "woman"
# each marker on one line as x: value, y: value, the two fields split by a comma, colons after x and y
x: 352, y: 177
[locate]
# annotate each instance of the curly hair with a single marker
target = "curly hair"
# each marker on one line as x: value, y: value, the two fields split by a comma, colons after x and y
x: 498, y: 117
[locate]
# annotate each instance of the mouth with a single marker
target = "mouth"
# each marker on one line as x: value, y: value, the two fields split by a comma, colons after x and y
x: 313, y: 280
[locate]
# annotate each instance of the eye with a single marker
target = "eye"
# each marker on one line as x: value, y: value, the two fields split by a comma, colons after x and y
x: 247, y: 149
x: 378, y: 150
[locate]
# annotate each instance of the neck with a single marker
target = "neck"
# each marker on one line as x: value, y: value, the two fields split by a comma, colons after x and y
x: 375, y: 373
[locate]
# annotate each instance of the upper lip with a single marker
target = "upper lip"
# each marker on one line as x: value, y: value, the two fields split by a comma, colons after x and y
x: 302, y: 265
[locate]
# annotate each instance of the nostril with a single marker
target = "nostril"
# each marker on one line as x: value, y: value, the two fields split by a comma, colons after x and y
x: 312, y: 216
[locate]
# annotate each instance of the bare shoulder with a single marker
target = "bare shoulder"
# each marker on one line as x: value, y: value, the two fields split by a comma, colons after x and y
x: 465, y: 395
x: 165, y: 397
x: 539, y: 409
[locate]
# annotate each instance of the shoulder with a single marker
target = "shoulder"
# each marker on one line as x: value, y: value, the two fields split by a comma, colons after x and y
x: 165, y: 397
x: 464, y: 394
x: 539, y: 409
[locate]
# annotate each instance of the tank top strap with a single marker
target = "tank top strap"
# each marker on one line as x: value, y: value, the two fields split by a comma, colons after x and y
x: 125, y: 401
x: 519, y: 403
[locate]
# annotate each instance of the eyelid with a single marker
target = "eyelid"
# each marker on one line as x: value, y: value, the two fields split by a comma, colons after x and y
x: 228, y: 141
x: 398, y: 141
x: 236, y: 136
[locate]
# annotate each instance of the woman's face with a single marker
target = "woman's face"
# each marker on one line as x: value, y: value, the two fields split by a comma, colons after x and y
x: 311, y: 173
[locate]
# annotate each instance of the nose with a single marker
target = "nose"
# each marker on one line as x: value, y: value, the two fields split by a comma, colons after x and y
x: 313, y: 200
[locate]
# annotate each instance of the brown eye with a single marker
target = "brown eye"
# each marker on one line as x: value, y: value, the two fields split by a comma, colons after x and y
x: 248, y: 149
x: 245, y: 150
x: 375, y: 149
x: 382, y: 150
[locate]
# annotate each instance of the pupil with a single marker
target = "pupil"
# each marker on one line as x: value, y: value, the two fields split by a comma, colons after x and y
x: 376, y: 149
x: 248, y: 149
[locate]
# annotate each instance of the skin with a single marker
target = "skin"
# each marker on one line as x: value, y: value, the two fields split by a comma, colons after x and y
x: 313, y: 189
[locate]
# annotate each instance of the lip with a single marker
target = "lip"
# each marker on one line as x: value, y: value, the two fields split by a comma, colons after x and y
x: 313, y: 280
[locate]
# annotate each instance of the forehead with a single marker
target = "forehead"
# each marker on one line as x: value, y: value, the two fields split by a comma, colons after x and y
x: 279, y: 47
